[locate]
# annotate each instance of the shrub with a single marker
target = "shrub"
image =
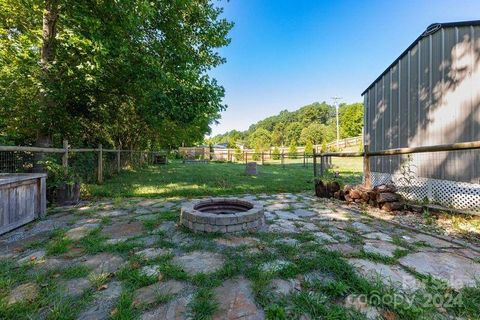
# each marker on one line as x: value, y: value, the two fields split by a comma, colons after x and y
x: 238, y: 154
x: 292, y: 150
x: 309, y: 147
x: 276, y: 153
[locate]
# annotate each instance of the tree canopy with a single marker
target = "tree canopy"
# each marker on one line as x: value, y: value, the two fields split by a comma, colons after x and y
x: 311, y: 124
x: 123, y: 73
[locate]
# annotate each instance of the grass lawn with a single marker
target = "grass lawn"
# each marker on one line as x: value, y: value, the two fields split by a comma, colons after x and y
x: 179, y: 180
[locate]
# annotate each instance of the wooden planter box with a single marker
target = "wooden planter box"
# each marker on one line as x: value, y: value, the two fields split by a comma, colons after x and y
x: 22, y: 199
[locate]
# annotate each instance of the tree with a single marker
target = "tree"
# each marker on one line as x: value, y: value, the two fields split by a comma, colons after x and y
x: 260, y: 140
x: 292, y: 149
x: 292, y: 132
x: 309, y: 147
x: 351, y: 120
x: 276, y: 153
x: 120, y: 74
x: 278, y: 135
x: 314, y: 133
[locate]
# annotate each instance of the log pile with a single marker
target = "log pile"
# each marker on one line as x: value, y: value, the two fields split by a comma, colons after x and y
x: 383, y: 196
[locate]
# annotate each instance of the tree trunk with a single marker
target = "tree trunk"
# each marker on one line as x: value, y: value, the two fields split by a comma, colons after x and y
x: 47, y: 56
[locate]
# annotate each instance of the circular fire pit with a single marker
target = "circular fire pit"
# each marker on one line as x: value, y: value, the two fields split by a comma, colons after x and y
x: 222, y: 215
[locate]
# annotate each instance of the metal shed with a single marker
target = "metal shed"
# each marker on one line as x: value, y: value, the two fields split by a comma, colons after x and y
x: 430, y: 95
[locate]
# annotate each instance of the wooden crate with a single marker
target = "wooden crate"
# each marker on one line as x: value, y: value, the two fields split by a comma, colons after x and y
x: 22, y: 199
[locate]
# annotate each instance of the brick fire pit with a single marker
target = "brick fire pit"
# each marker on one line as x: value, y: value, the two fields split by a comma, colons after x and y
x: 222, y: 215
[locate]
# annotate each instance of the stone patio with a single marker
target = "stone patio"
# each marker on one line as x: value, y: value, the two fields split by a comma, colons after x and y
x: 133, y: 248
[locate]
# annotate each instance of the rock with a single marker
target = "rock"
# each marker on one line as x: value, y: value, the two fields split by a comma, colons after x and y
x: 123, y: 229
x: 175, y: 309
x: 237, y: 241
x: 361, y: 227
x: 251, y: 169
x: 380, y: 247
x: 277, y: 206
x: 387, y: 197
x: 359, y: 303
x: 287, y: 215
x: 33, y: 257
x: 103, y: 303
x: 304, y: 213
x: 148, y: 295
x: 113, y: 213
x: 78, y: 233
x: 236, y: 301
x: 150, y: 271
x: 433, y: 241
x: 167, y: 227
x: 283, y: 226
x: 344, y: 248
x: 102, y: 263
x: 200, y: 262
x: 457, y: 271
x: 390, y: 275
x: 323, y: 237
x: 281, y: 287
x: 378, y: 236
x: 76, y: 287
x: 140, y: 211
x: 152, y: 253
x: 274, y: 266
x: 316, y: 276
x: 23, y: 293
x: 287, y: 241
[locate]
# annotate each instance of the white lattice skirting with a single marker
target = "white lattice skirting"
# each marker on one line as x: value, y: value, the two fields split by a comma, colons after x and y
x: 460, y: 195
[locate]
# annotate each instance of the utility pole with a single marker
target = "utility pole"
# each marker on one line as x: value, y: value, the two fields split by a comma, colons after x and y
x: 335, y: 103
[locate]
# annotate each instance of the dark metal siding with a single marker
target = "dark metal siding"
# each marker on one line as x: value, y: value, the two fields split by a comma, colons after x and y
x: 429, y: 97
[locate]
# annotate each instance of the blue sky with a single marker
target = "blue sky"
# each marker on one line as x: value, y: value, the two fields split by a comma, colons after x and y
x: 288, y: 53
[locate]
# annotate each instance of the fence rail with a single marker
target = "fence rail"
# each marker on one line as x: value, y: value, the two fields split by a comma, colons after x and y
x: 366, y: 154
x: 102, y: 162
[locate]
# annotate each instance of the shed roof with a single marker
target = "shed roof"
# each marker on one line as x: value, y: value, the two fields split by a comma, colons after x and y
x: 431, y: 29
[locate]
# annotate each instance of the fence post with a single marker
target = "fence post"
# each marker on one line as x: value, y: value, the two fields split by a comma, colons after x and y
x: 314, y: 163
x: 65, y: 155
x: 100, y: 164
x: 366, y: 167
x: 283, y: 159
x: 304, y: 159
x: 322, y: 165
x: 245, y: 155
x: 119, y: 164
x: 262, y: 159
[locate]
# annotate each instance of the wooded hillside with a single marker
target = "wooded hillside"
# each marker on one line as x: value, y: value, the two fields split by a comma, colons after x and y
x: 312, y: 124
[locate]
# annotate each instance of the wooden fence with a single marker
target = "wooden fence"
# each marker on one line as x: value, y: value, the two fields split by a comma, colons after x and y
x: 366, y: 154
x: 144, y: 157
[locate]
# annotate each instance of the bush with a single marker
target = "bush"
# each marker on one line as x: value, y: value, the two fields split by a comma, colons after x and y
x: 276, y: 153
x: 292, y: 150
x: 238, y: 154
x: 309, y: 147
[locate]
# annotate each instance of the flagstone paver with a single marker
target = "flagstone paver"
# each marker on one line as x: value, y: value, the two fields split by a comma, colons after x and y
x: 148, y: 295
x: 236, y: 301
x: 103, y: 303
x: 200, y: 262
x: 456, y: 270
x: 388, y: 274
x: 300, y: 223
x: 176, y: 309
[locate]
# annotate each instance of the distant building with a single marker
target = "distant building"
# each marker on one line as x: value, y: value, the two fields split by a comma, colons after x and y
x: 430, y: 95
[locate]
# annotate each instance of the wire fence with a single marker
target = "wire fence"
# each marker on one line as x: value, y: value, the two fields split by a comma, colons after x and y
x: 90, y: 165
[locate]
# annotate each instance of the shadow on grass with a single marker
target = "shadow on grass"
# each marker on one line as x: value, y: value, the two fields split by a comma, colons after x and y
x: 180, y: 180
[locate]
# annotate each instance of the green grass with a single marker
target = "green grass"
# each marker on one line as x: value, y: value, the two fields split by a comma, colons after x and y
x: 179, y: 180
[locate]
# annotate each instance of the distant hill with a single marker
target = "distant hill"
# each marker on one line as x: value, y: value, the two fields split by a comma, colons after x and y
x: 311, y: 124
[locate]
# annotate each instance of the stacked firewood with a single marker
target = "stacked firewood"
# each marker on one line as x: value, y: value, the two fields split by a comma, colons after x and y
x: 383, y: 196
